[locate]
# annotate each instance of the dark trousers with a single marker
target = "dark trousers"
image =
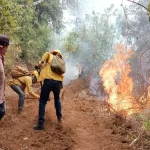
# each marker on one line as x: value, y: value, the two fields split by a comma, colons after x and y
x: 2, y: 110
x: 48, y: 86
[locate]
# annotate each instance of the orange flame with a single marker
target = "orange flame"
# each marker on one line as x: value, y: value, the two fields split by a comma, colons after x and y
x: 117, y: 83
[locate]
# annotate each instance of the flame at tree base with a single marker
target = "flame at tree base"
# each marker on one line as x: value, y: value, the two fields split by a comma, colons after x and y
x: 118, y: 84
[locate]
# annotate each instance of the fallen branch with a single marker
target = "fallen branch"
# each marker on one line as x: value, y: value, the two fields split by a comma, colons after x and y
x: 62, y: 97
x: 31, y: 98
x: 136, y: 139
x: 37, y: 98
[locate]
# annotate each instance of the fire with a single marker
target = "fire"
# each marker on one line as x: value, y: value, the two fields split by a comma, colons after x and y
x: 117, y: 82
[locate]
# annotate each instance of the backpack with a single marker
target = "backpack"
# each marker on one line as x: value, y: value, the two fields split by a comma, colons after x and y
x: 19, y: 71
x: 58, y: 65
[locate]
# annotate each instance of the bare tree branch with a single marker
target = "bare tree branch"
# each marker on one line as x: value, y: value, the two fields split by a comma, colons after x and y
x: 139, y: 4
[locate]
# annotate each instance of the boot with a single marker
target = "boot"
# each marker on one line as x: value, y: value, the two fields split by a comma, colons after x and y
x: 38, y: 127
x: 60, y: 121
x: 20, y: 110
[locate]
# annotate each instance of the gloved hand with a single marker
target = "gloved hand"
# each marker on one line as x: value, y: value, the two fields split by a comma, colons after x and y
x: 37, y: 67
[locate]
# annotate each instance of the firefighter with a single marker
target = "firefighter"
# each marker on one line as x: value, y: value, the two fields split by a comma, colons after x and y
x: 20, y: 84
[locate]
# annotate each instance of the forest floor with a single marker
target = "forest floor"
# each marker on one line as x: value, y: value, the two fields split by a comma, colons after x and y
x: 87, y: 124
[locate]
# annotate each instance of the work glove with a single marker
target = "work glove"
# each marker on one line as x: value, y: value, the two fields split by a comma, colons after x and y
x: 37, y: 67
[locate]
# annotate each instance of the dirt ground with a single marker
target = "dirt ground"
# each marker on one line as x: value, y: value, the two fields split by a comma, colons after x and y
x: 87, y: 124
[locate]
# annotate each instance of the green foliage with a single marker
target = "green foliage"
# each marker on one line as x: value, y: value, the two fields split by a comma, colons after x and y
x: 147, y: 124
x: 12, y: 56
x: 92, y: 39
x: 100, y: 34
x: 72, y: 44
x: 73, y: 5
x: 32, y: 36
x: 34, y: 42
x: 30, y: 26
x: 9, y: 13
x: 50, y: 12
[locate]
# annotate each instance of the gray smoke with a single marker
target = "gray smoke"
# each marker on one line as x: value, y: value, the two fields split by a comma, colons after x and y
x: 72, y: 72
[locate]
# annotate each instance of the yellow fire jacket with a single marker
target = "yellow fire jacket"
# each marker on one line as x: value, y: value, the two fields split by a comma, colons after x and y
x: 46, y: 72
x: 24, y: 82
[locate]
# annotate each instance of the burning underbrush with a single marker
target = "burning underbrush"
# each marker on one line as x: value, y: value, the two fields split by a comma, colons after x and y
x: 118, y: 83
x: 131, y: 114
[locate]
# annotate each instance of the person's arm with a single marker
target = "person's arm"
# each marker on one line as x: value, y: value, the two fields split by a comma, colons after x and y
x: 45, y: 58
x: 2, y: 78
x: 29, y: 87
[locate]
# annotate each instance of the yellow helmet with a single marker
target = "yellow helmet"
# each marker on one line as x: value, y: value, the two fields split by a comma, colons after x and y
x: 35, y: 73
x: 56, y: 51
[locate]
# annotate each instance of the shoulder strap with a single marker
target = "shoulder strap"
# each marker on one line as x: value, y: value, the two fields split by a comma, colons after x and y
x: 50, y: 58
x: 20, y: 81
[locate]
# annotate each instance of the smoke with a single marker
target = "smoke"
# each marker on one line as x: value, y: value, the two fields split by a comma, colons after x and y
x: 96, y: 86
x: 90, y: 69
x: 72, y: 72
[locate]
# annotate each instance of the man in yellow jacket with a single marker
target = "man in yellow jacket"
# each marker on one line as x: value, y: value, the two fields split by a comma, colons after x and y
x: 52, y: 82
x: 19, y: 85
